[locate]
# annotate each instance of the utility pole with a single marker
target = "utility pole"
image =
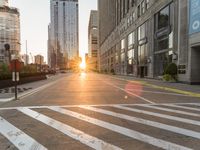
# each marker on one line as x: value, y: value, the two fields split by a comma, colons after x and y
x: 26, y: 54
x: 40, y: 63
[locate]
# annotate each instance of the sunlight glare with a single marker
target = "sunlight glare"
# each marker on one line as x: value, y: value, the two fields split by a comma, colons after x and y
x: 83, y: 65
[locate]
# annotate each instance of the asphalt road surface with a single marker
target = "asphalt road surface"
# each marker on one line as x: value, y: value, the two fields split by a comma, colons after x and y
x: 93, y: 111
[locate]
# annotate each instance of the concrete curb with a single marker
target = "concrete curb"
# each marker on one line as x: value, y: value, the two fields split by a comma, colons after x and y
x: 192, y: 94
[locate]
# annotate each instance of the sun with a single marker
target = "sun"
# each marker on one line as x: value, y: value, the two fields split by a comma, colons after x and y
x: 82, y: 65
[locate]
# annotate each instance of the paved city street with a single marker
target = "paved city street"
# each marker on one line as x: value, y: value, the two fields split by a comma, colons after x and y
x: 94, y: 111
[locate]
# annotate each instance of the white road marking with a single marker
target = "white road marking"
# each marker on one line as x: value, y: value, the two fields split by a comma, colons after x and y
x: 98, y: 105
x: 171, y: 110
x: 155, y: 92
x: 188, y: 121
x: 195, y: 104
x: 18, y: 138
x: 140, y: 97
x: 70, y: 131
x: 184, y: 107
x: 124, y: 131
x: 170, y: 128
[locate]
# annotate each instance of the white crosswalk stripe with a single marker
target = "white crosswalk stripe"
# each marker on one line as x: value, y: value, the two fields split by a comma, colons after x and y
x: 183, y: 107
x: 172, y: 110
x: 22, y: 141
x: 127, y: 132
x: 184, y: 120
x: 69, y: 131
x: 147, y: 122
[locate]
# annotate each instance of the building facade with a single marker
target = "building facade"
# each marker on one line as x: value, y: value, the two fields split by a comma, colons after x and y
x: 63, y: 42
x: 39, y: 60
x: 9, y: 32
x: 25, y: 58
x: 93, y: 40
x: 146, y: 36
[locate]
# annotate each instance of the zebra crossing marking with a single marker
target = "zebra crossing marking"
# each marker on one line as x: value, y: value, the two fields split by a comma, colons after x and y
x: 184, y: 107
x: 122, y: 130
x: 184, y: 120
x: 170, y: 128
x: 18, y: 138
x: 84, y: 138
x: 99, y: 105
x: 172, y: 110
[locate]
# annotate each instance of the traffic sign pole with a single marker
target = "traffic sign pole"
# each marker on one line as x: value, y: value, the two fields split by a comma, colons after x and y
x: 15, y: 79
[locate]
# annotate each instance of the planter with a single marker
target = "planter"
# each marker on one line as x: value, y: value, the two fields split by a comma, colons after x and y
x: 10, y: 83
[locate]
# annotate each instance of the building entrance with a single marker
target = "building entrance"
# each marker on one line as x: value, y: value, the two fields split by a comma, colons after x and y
x: 195, y: 65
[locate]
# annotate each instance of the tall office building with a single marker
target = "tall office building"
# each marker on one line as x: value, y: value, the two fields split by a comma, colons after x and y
x: 93, y: 40
x: 3, y: 2
x: 9, y: 31
x: 63, y: 42
x: 142, y: 37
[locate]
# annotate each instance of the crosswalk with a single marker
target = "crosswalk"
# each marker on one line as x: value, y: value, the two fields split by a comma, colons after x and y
x: 103, y: 127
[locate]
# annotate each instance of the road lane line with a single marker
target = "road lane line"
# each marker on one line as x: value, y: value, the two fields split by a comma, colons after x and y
x: 18, y: 138
x: 78, y: 135
x: 191, y: 94
x: 184, y: 120
x: 184, y: 107
x: 171, y: 110
x: 165, y: 93
x: 140, y: 97
x: 124, y: 131
x: 174, y: 129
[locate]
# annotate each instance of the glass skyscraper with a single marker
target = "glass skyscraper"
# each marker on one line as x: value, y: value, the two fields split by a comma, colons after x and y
x: 63, y: 43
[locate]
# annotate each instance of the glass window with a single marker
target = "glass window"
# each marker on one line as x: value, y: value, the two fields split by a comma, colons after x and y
x: 131, y: 39
x: 133, y: 17
x: 163, y: 18
x: 143, y: 7
x: 147, y: 4
x: 130, y: 54
x: 122, y: 57
x: 163, y: 44
x: 138, y: 11
x: 141, y: 32
x: 116, y: 57
x: 128, y: 21
x: 142, y: 54
x: 122, y: 44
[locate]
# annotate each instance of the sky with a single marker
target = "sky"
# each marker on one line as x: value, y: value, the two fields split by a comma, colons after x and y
x: 35, y: 17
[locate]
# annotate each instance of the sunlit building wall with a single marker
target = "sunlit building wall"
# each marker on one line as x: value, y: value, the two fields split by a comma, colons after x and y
x: 141, y: 38
x: 9, y: 31
x: 63, y: 32
x: 39, y: 59
x: 93, y: 40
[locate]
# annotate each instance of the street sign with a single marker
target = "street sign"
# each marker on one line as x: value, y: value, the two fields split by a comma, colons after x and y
x: 17, y: 77
x: 15, y: 65
x: 194, y: 6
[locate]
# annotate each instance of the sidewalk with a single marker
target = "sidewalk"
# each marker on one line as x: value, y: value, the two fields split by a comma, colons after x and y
x: 7, y: 94
x: 180, y: 88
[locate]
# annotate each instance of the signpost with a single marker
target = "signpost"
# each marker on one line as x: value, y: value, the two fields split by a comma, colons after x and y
x: 194, y: 10
x: 15, y: 68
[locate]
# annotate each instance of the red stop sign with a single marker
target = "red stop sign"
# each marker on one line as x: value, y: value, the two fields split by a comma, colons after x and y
x: 15, y: 66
